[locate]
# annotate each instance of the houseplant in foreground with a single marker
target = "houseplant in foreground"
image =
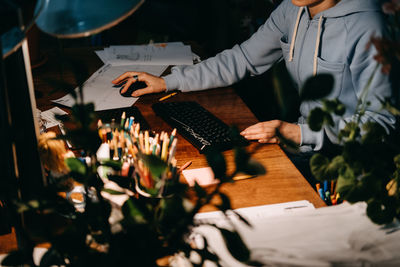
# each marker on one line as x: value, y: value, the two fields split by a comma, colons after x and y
x: 367, y: 167
x: 137, y: 231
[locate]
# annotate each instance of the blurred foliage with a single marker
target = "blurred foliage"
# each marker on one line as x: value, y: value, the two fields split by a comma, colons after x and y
x: 366, y: 166
x: 142, y: 230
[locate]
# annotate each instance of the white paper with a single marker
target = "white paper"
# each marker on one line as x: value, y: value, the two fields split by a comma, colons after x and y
x: 195, y: 58
x: 99, y: 89
x: 102, y: 55
x: 202, y: 176
x: 340, y: 235
x: 152, y: 54
x: 49, y: 116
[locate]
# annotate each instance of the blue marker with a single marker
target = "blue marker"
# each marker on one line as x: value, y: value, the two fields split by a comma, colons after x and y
x: 326, y: 186
x: 321, y: 193
x: 130, y: 123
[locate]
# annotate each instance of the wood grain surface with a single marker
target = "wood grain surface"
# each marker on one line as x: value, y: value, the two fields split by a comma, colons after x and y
x: 282, y: 182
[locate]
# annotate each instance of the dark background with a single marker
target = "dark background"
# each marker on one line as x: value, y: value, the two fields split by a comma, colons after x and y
x: 210, y: 26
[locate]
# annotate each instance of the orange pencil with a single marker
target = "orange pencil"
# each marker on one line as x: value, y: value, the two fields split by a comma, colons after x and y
x: 187, y: 164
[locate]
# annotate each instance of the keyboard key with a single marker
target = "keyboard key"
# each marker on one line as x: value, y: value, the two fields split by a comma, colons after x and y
x: 198, y: 125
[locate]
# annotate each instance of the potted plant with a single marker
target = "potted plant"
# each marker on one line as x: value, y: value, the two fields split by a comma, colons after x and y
x: 366, y: 166
x: 144, y: 227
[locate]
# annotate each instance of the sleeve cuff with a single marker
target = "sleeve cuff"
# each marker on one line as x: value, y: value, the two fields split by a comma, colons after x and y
x: 309, y: 137
x: 171, y: 82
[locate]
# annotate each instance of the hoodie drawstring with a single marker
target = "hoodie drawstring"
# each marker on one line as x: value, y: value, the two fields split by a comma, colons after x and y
x: 296, y: 26
x: 317, y: 46
x: 317, y: 42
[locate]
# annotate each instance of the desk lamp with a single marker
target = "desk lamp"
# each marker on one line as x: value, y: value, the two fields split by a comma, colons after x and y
x: 20, y: 165
x: 81, y: 18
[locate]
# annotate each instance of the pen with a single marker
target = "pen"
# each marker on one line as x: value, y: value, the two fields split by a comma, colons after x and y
x: 187, y: 164
x: 167, y: 96
x: 242, y: 177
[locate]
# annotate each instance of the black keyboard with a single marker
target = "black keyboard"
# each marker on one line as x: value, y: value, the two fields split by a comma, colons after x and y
x: 199, y: 126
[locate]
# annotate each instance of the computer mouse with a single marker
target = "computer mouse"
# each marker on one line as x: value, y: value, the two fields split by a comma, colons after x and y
x: 135, y: 86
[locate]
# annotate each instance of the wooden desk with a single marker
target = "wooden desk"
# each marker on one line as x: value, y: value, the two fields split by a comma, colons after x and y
x: 282, y: 183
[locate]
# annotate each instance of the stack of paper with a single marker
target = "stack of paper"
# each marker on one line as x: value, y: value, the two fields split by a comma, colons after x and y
x: 152, y: 58
x: 175, y: 53
x: 340, y: 235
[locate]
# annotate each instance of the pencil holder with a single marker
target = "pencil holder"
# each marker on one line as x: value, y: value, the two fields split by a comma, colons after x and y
x: 153, y: 183
x: 155, y: 165
x: 152, y: 155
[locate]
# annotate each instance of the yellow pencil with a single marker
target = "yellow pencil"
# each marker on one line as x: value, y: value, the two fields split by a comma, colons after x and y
x: 146, y: 142
x: 164, y: 150
x: 167, y: 96
x: 242, y: 177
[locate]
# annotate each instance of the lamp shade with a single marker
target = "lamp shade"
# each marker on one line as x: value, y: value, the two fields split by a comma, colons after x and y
x: 80, y: 18
x: 11, y: 41
x: 15, y: 21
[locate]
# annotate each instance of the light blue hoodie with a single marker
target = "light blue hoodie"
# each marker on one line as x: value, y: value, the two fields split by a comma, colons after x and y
x: 335, y: 41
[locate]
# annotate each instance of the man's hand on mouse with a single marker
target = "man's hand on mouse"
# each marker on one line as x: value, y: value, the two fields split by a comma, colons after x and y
x: 154, y: 84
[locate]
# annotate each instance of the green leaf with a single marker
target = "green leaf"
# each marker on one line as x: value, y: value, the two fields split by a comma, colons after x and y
x: 355, y: 194
x: 387, y: 105
x: 116, y: 165
x: 17, y: 258
x: 235, y: 245
x: 112, y: 192
x: 217, y: 163
x: 51, y: 258
x: 396, y: 161
x: 318, y: 165
x: 323, y: 169
x: 316, y: 119
x: 381, y: 211
x: 134, y: 210
x: 340, y: 109
x: 75, y: 165
x: 374, y: 133
x: 333, y: 106
x: 350, y: 131
x: 317, y: 87
x: 371, y: 185
x: 155, y: 164
x: 345, y: 182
